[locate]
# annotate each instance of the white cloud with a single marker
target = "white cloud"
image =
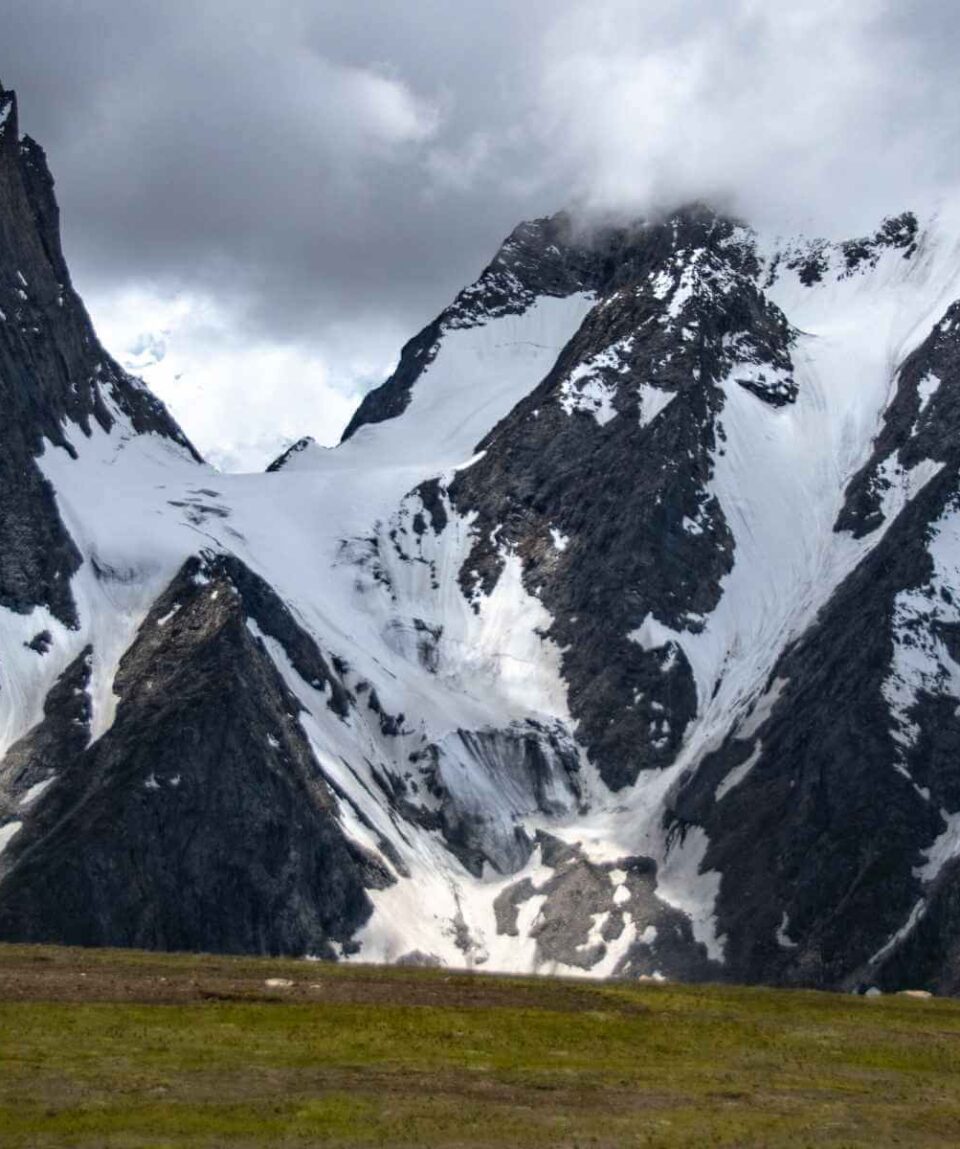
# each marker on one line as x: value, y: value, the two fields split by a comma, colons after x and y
x: 241, y: 402
x: 331, y: 174
x: 387, y: 108
x: 808, y: 110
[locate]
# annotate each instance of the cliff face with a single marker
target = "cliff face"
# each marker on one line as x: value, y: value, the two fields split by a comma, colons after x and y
x: 619, y: 636
x: 196, y: 818
x: 53, y: 375
x: 200, y: 819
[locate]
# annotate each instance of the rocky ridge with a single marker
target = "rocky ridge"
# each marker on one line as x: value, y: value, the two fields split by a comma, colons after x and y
x: 616, y: 638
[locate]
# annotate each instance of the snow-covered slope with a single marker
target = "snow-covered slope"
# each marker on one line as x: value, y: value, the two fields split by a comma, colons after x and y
x: 612, y: 639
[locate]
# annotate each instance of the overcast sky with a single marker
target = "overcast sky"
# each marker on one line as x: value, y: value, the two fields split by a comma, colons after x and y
x: 271, y: 198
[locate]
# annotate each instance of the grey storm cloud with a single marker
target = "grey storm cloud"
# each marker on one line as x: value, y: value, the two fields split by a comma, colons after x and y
x: 317, y: 166
x: 332, y: 173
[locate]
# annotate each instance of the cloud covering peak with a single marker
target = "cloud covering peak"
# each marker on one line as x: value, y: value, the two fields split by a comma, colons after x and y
x: 322, y: 179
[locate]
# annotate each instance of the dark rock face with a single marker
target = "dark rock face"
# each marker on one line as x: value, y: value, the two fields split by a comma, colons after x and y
x: 822, y: 814
x: 291, y: 452
x: 54, y: 376
x: 32, y: 763
x: 271, y: 615
x: 40, y: 643
x: 627, y: 491
x: 586, y: 907
x: 200, y: 819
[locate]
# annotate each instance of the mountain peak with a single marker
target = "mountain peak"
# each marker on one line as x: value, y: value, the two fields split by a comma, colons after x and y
x: 622, y: 635
x: 56, y: 381
x: 557, y: 257
x: 290, y: 452
x: 9, y: 126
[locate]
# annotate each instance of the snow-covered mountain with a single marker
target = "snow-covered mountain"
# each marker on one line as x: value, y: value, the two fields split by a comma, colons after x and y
x: 619, y: 636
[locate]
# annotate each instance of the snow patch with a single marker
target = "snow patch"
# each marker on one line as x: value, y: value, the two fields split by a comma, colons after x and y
x: 164, y: 619
x: 682, y: 884
x: 921, y: 662
x: 783, y: 933
x: 652, y: 634
x: 35, y: 791
x: 7, y: 832
x: 944, y: 849
x: 899, y: 484
x: 593, y: 396
x: 653, y: 400
x: 588, y: 386
x: 926, y: 389
x: 738, y: 773
x: 916, y: 913
x: 761, y: 711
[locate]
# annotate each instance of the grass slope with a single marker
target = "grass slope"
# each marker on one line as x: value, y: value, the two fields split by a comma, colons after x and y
x: 118, y: 1048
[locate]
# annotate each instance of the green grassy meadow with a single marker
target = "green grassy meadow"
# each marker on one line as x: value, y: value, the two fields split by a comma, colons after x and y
x: 125, y: 1049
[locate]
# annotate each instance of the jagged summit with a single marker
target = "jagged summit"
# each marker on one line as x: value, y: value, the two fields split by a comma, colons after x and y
x: 618, y: 636
x: 9, y: 128
x: 55, y: 380
x: 694, y: 250
x: 88, y: 384
x: 294, y: 449
x: 552, y: 257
